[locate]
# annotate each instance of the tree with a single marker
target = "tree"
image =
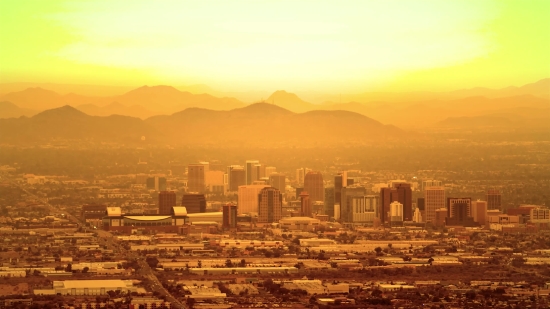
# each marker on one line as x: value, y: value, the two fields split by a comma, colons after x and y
x: 378, y: 250
x: 69, y: 268
x: 85, y: 270
x: 243, y: 263
x: 228, y: 263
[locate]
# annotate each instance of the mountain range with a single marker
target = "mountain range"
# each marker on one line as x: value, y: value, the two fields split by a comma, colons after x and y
x: 259, y: 125
x: 405, y: 110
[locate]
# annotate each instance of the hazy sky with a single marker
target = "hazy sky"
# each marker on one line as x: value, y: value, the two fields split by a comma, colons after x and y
x: 328, y: 46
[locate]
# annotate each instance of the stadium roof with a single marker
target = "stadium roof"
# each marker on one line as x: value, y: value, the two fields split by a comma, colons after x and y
x: 148, y: 218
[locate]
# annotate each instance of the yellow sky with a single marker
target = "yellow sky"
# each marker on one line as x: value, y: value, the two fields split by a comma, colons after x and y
x: 327, y: 46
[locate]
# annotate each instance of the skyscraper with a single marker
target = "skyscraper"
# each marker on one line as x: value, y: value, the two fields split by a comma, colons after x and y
x: 479, y: 212
x: 270, y: 170
x: 196, y: 178
x: 396, y: 214
x: 346, y: 206
x: 236, y: 177
x: 301, y: 174
x: 270, y: 202
x: 305, y: 204
x: 157, y: 183
x: 431, y: 183
x: 434, y: 199
x: 404, y: 196
x: 315, y: 187
x: 251, y: 171
x: 363, y: 208
x: 229, y: 214
x: 248, y: 198
x: 329, y: 202
x: 494, y: 200
x: 459, y: 211
x: 278, y: 181
x: 194, y: 203
x: 167, y: 200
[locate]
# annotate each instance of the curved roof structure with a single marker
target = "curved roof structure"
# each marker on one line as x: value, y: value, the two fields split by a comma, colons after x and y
x: 148, y: 218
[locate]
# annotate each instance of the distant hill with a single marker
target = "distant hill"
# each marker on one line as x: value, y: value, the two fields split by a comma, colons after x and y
x: 268, y: 125
x: 35, y: 98
x: 116, y: 108
x: 157, y: 99
x: 10, y: 110
x: 289, y: 101
x: 68, y: 123
x: 256, y: 125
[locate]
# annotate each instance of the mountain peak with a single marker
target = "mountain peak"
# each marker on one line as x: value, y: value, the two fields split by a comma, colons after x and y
x: 63, y: 111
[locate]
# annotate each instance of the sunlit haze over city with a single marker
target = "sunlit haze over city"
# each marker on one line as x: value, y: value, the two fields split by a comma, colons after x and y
x: 274, y: 154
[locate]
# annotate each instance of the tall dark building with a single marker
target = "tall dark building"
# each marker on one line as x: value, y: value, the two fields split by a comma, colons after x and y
x: 338, y: 185
x: 314, y: 186
x: 229, y: 216
x: 298, y: 192
x: 404, y: 196
x: 270, y: 205
x: 459, y: 211
x: 329, y: 202
x: 237, y: 177
x: 346, y: 211
x: 278, y: 181
x: 421, y: 204
x: 387, y: 196
x: 156, y: 183
x: 305, y: 204
x: 194, y: 203
x: 400, y: 192
x: 196, y: 178
x: 494, y: 200
x: 167, y: 200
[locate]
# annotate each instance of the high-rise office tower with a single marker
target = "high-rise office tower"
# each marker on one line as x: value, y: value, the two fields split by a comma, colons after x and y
x: 196, y: 178
x: 459, y: 211
x: 270, y: 170
x: 340, y: 181
x: 494, y: 200
x: 278, y: 181
x: 396, y: 214
x: 260, y: 171
x: 329, y: 202
x: 248, y: 198
x: 314, y: 185
x: 346, y: 206
x: 305, y: 204
x: 251, y: 171
x: 236, y: 177
x: 440, y: 217
x: 479, y: 212
x: 301, y: 174
x: 431, y: 183
x: 229, y: 214
x: 417, y: 216
x: 387, y: 196
x: 435, y: 199
x: 404, y: 196
x: 194, y: 203
x: 270, y: 202
x: 363, y: 208
x: 167, y: 200
x: 157, y: 183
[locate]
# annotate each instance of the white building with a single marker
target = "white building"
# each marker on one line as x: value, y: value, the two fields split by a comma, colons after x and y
x: 396, y: 212
x: 89, y: 287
